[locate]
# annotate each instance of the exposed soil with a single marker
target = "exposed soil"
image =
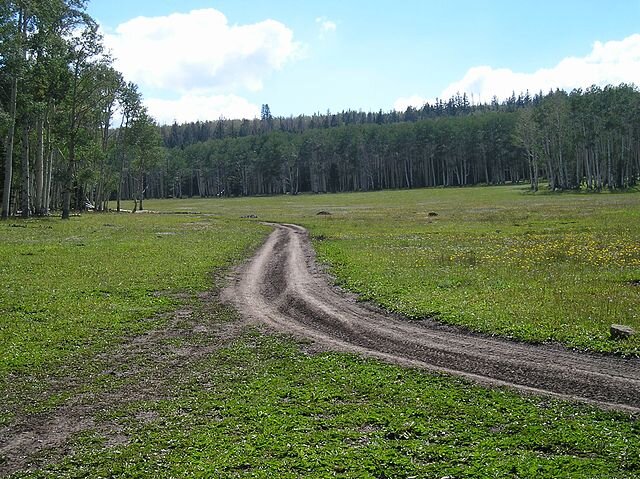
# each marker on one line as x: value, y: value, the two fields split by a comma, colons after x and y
x: 283, y: 287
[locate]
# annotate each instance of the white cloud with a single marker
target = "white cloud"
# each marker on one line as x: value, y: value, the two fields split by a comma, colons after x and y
x: 200, y: 52
x: 402, y: 103
x: 613, y: 62
x: 193, y: 107
x: 326, y: 25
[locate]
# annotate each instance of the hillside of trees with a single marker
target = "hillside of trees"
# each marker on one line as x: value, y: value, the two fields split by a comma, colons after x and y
x: 195, y: 132
x: 583, y: 139
x: 75, y: 134
x: 59, y: 99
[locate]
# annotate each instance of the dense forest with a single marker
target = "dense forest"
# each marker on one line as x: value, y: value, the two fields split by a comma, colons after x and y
x: 75, y: 134
x: 583, y: 139
x: 73, y: 131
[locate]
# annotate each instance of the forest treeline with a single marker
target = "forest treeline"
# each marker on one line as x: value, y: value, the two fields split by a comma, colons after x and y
x: 73, y: 131
x: 583, y: 139
x: 194, y: 132
x: 75, y: 134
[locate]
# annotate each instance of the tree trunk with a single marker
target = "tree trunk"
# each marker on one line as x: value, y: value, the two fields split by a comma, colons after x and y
x: 609, y: 165
x: 66, y: 198
x: 8, y: 161
x: 39, y: 203
x: 120, y: 176
x: 25, y: 192
x: 141, y: 189
x: 46, y: 200
x: 68, y: 183
x: 48, y: 166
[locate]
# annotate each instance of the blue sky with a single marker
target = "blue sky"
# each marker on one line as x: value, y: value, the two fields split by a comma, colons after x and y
x: 199, y: 59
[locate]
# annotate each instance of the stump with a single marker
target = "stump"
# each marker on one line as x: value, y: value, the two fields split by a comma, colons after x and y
x: 620, y: 331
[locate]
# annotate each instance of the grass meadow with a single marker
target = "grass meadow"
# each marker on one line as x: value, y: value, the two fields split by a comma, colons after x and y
x: 72, y: 289
x: 496, y: 259
x: 534, y: 267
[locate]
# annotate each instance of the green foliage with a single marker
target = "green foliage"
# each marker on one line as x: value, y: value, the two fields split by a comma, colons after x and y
x: 64, y: 102
x: 585, y: 139
x: 5, y: 119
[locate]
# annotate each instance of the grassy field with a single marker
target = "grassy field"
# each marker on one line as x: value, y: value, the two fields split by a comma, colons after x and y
x: 71, y: 289
x: 74, y: 293
x: 261, y: 408
x: 533, y: 267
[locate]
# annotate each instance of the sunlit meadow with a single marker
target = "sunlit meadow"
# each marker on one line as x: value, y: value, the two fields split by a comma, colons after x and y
x: 536, y: 267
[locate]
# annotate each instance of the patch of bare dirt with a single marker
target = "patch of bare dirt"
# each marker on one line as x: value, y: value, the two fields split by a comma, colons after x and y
x: 283, y: 287
x: 143, y: 368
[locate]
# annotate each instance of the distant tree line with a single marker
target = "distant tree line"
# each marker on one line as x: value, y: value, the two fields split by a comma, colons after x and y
x: 74, y: 134
x: 458, y: 105
x: 584, y: 139
x: 59, y: 100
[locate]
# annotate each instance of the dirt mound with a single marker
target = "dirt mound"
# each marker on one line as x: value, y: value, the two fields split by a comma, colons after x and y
x: 282, y: 287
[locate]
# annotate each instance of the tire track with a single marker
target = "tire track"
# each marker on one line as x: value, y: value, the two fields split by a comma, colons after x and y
x: 281, y: 287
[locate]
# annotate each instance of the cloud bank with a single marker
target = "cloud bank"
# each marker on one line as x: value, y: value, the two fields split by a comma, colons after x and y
x: 193, y: 107
x: 613, y: 62
x: 202, y: 57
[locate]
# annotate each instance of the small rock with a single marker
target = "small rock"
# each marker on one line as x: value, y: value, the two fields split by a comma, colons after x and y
x: 620, y: 331
x: 323, y: 213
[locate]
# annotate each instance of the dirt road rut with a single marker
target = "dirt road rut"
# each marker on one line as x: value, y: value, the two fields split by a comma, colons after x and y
x: 282, y: 287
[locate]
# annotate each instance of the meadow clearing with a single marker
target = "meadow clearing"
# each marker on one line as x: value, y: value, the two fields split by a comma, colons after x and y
x: 532, y: 267
x: 499, y: 260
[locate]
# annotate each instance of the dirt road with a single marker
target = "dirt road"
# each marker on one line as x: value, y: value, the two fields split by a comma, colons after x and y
x: 282, y: 287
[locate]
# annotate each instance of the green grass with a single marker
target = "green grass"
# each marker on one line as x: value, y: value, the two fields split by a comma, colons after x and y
x: 496, y: 259
x: 70, y: 289
x: 493, y: 259
x: 261, y: 408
